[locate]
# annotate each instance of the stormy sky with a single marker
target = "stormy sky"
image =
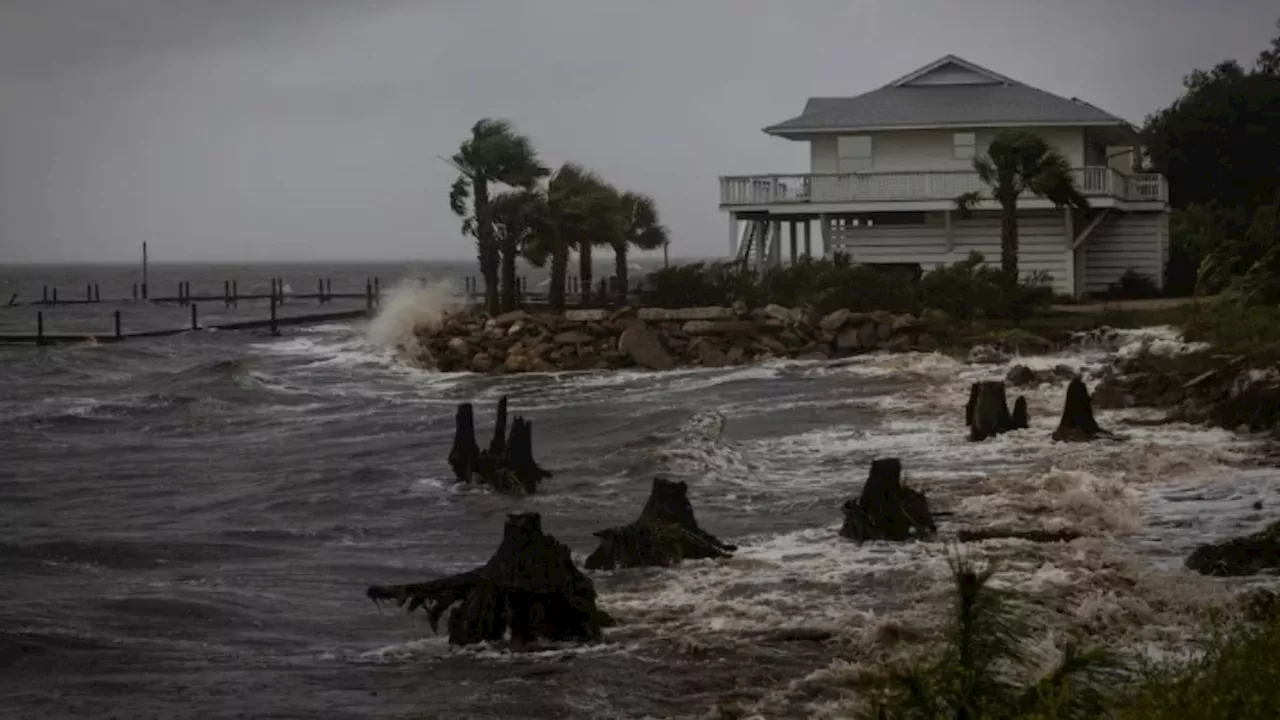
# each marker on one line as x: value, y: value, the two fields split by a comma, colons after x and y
x: 309, y: 129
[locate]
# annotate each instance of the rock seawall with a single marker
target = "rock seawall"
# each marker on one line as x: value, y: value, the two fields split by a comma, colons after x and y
x: 661, y: 339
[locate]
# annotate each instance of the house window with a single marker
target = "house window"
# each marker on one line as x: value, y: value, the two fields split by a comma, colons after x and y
x: 966, y: 145
x: 854, y: 153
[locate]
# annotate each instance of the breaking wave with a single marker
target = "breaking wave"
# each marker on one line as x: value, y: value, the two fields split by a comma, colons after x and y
x: 410, y: 307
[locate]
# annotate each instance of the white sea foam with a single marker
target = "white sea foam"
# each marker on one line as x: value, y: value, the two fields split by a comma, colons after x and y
x: 409, y: 308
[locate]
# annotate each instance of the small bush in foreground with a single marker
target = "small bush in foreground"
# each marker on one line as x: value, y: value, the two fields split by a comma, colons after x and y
x: 978, y: 673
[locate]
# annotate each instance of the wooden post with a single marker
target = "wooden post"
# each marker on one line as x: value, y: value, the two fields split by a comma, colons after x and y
x: 226, y: 293
x: 144, y: 271
x: 44, y: 294
x: 377, y: 292
x: 274, y: 330
x: 320, y: 290
x: 194, y: 325
x: 235, y: 293
x: 55, y: 296
x: 88, y: 292
x: 808, y: 239
x: 40, y: 327
x: 117, y: 324
x: 794, y: 232
x: 181, y: 301
x: 135, y: 291
x: 328, y: 290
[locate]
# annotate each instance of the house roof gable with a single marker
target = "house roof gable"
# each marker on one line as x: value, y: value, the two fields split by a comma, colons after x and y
x: 948, y: 92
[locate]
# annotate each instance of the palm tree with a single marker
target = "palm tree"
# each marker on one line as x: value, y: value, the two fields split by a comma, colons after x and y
x: 494, y: 154
x: 576, y: 207
x: 1019, y: 161
x: 513, y: 213
x: 639, y: 226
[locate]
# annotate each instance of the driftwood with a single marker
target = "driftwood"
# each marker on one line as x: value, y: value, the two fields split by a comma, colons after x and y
x: 665, y: 533
x: 987, y: 412
x: 507, y: 465
x: 1077, y: 423
x: 887, y: 509
x: 529, y: 588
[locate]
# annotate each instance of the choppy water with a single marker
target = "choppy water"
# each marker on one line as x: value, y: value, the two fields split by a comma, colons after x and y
x: 187, y: 527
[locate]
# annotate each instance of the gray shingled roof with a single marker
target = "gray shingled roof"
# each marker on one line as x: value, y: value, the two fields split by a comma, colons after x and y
x: 933, y: 105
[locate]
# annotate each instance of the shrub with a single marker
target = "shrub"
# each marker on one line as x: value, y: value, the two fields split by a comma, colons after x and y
x: 1133, y: 285
x: 700, y: 285
x: 1236, y: 328
x: 836, y: 283
x: 971, y: 289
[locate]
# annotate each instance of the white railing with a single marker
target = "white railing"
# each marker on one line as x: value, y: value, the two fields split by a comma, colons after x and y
x: 935, y: 185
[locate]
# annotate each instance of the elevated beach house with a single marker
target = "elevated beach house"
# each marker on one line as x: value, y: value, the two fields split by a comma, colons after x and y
x: 887, y: 165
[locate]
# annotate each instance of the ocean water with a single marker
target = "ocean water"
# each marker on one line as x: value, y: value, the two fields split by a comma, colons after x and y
x: 188, y: 524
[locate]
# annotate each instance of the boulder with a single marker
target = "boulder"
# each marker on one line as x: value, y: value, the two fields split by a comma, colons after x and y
x: 1246, y: 555
x: 906, y: 323
x: 573, y: 337
x: 1020, y: 375
x: 685, y: 314
x: 927, y: 343
x: 644, y: 348
x: 773, y: 345
x: 719, y: 327
x: 711, y: 356
x: 482, y: 363
x: 868, y: 336
x: 459, y: 346
x: 849, y: 339
x: 777, y: 312
x: 506, y: 319
x: 834, y: 320
x: 986, y: 355
x: 583, y: 316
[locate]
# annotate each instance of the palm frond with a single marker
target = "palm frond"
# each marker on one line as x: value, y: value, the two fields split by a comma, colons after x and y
x: 460, y: 195
x: 965, y: 202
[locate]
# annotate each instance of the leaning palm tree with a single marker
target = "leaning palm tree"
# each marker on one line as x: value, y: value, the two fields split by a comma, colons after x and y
x: 576, y: 207
x: 639, y: 226
x: 513, y: 213
x: 495, y: 154
x: 1019, y: 161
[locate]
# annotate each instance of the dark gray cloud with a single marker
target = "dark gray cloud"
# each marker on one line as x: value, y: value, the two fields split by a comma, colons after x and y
x: 266, y: 129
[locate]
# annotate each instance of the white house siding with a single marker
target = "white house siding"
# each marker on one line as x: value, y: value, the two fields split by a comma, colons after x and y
x: 1135, y: 241
x: 1041, y: 240
x: 920, y: 150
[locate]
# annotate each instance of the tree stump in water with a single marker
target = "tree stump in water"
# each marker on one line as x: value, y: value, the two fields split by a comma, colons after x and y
x: 529, y: 588
x: 507, y: 465
x: 1077, y: 423
x: 665, y: 533
x: 1021, y: 418
x: 887, y: 509
x: 987, y: 412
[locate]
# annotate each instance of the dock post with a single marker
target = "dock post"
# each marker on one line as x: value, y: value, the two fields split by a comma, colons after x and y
x: 194, y: 324
x: 275, y: 331
x: 88, y: 292
x: 368, y: 294
x: 377, y: 292
x: 97, y: 293
x: 320, y: 290
x: 328, y: 290
x: 235, y: 293
x: 117, y: 324
x: 40, y: 327
x: 135, y: 291
x: 226, y: 293
x: 44, y: 294
x: 181, y: 301
x: 55, y: 296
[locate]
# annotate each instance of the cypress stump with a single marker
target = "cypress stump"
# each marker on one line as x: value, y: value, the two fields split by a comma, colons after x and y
x: 1077, y: 423
x: 987, y: 412
x: 1021, y: 417
x: 887, y: 509
x: 507, y: 465
x: 530, y: 588
x: 665, y: 533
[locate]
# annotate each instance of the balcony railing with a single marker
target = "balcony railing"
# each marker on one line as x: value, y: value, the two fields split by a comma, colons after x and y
x: 931, y: 185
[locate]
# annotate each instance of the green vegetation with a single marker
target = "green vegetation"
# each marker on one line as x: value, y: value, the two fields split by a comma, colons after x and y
x: 573, y: 211
x: 967, y: 290
x: 981, y: 671
x: 1021, y: 161
x: 1219, y: 146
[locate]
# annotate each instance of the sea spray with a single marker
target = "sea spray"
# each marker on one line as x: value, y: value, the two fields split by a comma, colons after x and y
x: 413, y: 306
